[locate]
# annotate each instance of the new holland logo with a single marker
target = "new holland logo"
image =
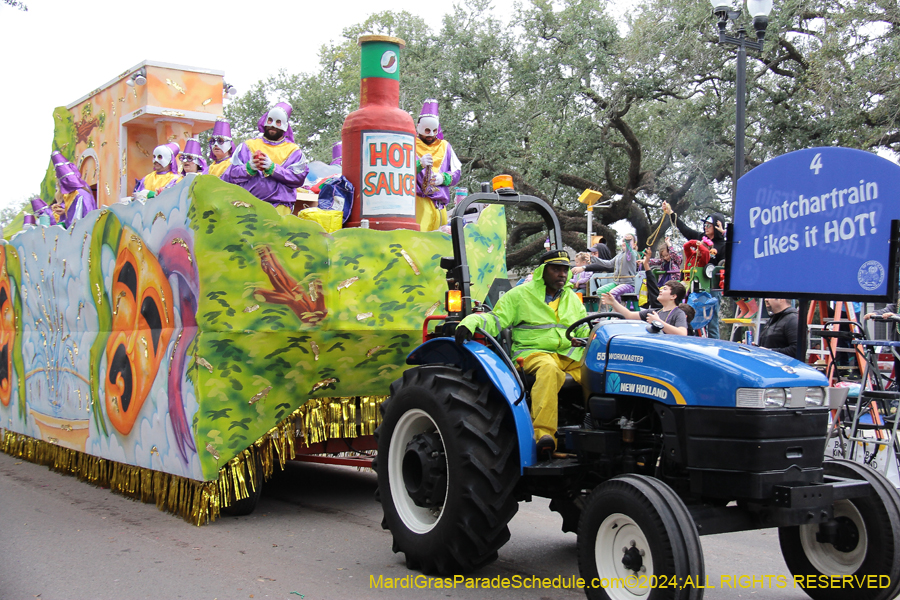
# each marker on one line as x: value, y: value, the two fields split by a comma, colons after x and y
x: 613, y: 382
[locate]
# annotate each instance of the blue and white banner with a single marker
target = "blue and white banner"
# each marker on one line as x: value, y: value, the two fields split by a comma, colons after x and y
x: 815, y: 223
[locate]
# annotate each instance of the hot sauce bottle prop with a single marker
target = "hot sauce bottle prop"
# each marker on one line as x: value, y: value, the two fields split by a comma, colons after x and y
x: 379, y: 142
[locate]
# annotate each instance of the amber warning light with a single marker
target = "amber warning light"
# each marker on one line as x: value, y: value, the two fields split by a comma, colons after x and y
x: 502, y: 182
x: 453, y: 301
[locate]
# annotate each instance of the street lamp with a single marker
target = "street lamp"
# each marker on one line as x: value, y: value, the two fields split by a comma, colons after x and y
x: 759, y: 10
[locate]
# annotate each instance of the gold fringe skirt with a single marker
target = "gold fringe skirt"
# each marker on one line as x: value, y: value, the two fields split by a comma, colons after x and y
x: 200, y: 502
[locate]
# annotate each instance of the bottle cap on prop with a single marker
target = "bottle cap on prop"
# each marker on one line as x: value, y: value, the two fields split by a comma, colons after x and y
x: 380, y: 56
x: 30, y: 220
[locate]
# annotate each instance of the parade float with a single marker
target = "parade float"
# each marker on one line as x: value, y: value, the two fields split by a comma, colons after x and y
x: 177, y: 350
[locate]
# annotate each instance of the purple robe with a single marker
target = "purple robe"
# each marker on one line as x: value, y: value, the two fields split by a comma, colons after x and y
x: 279, y: 188
x: 78, y: 207
x: 449, y: 164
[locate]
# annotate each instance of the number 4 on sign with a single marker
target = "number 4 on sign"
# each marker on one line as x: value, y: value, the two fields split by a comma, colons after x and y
x: 816, y: 163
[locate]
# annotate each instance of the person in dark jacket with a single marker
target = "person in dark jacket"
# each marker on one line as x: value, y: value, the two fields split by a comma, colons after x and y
x: 600, y: 251
x: 780, y: 332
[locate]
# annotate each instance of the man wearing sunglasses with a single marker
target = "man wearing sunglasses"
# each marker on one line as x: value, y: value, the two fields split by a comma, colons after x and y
x: 164, y: 174
x: 271, y: 167
x: 220, y: 148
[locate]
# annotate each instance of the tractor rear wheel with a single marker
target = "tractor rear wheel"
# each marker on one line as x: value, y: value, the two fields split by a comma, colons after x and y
x: 866, y: 542
x: 447, y: 468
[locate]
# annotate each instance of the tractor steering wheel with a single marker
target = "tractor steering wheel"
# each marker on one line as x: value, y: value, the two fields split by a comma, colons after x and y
x: 588, y: 319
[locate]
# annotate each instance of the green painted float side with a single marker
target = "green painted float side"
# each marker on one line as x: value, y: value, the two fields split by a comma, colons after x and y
x: 257, y: 314
x: 348, y: 337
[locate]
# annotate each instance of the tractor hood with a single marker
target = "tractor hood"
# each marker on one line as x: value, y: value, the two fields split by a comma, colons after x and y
x: 624, y: 358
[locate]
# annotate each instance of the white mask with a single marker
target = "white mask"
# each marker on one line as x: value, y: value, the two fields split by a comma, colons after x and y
x: 275, y: 115
x: 162, y: 155
x: 225, y: 146
x: 430, y: 123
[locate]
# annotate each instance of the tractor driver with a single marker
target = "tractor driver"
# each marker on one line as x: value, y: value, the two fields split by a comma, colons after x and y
x: 539, y: 312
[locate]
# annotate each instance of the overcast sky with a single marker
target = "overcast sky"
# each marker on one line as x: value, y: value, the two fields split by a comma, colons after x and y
x: 60, y: 50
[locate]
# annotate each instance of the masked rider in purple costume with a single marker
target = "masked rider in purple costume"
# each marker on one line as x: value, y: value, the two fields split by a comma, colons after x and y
x: 165, y: 171
x: 220, y: 148
x: 271, y: 167
x: 191, y: 159
x: 437, y: 170
x: 77, y: 199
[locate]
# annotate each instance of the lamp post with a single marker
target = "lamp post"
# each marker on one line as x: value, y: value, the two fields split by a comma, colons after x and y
x: 759, y: 10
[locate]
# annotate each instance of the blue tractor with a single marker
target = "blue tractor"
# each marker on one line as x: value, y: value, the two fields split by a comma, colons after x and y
x: 667, y: 438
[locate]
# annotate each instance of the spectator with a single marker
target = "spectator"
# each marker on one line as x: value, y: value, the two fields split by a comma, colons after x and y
x: 624, y: 267
x: 713, y: 236
x: 669, y: 262
x: 580, y: 280
x: 652, y: 285
x: 689, y: 313
x: 600, y: 250
x: 780, y: 332
x: 671, y: 319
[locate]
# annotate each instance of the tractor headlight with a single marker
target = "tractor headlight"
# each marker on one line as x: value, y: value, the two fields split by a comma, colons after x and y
x: 775, y: 397
x: 798, y: 397
x: 815, y: 396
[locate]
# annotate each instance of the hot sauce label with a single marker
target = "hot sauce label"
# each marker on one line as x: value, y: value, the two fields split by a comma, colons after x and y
x: 388, y: 174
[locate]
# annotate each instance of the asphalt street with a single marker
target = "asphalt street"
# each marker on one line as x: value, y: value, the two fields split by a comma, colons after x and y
x: 316, y: 534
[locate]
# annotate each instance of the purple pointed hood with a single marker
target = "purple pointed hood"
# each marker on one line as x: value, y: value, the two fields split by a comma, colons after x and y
x: 430, y: 109
x: 289, y: 133
x: 67, y: 176
x: 336, y: 153
x: 192, y: 149
x: 40, y: 208
x: 221, y: 128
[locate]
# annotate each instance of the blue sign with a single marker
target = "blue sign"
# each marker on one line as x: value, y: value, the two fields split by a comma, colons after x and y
x: 815, y: 223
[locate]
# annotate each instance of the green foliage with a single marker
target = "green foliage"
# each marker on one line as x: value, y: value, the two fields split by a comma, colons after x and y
x: 12, y: 218
x: 643, y: 111
x: 64, y: 140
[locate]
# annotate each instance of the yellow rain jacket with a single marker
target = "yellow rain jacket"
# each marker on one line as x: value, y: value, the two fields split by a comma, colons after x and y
x: 536, y: 326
